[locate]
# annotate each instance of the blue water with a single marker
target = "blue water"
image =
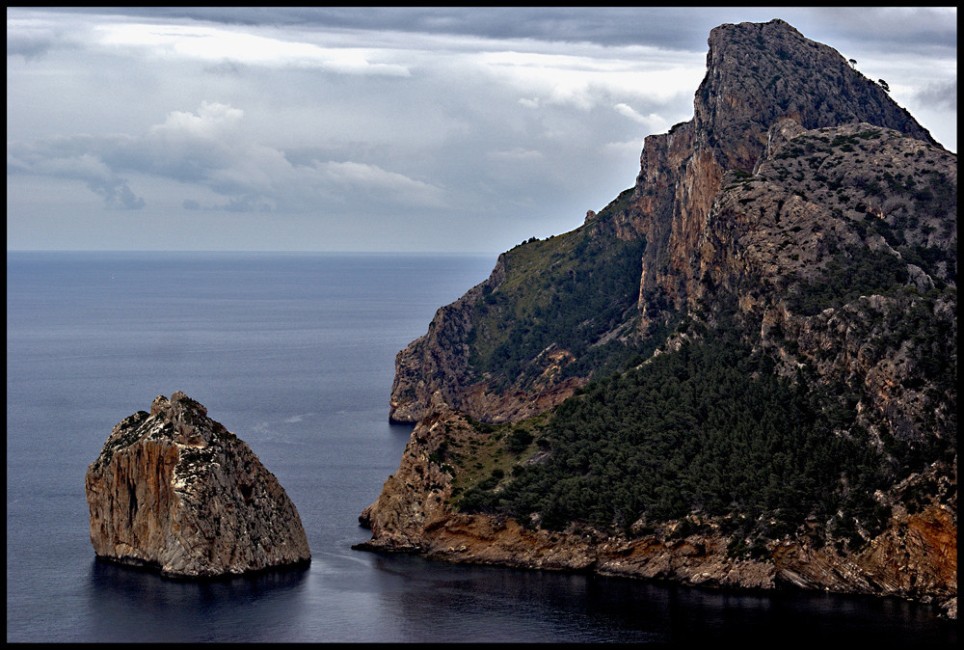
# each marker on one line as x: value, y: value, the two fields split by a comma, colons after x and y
x: 294, y: 353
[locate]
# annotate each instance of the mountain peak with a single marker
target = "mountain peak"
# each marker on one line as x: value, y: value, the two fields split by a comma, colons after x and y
x: 758, y: 73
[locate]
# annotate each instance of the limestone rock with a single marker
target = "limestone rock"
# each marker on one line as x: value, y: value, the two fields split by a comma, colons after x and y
x: 174, y: 489
x: 802, y: 197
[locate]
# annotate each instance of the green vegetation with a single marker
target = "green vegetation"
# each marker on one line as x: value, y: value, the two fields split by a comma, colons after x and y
x: 491, y: 457
x: 567, y: 292
x: 708, y: 429
x: 859, y: 271
x: 849, y: 274
x: 711, y: 429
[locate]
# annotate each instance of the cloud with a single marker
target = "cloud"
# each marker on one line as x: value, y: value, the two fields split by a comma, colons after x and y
x: 939, y: 95
x: 884, y: 29
x: 591, y: 77
x: 210, y: 148
x: 212, y: 120
x: 353, y: 178
x: 515, y: 154
x: 654, y: 121
x: 116, y: 194
x: 448, y: 126
x: 220, y: 45
x: 670, y: 28
x: 31, y: 38
x: 29, y: 46
x: 65, y: 158
x: 627, y: 147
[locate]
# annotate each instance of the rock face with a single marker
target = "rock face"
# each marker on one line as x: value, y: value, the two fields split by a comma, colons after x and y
x: 174, y: 489
x: 915, y: 555
x: 802, y: 206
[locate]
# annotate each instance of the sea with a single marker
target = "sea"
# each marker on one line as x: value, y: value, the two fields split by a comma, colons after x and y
x: 294, y: 353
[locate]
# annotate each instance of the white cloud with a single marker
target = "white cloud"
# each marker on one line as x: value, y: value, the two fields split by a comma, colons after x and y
x: 215, y: 44
x: 594, y: 77
x: 212, y: 120
x: 359, y: 178
x: 653, y: 121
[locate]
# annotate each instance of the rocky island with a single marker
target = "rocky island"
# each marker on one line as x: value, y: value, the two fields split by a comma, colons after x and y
x: 741, y: 372
x: 175, y: 490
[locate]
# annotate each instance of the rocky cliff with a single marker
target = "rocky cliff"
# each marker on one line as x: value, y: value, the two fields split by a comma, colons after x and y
x: 758, y: 76
x: 796, y: 241
x: 174, y: 489
x: 914, y: 554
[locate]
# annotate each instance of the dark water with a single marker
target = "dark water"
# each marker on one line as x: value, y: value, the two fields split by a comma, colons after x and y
x: 295, y: 353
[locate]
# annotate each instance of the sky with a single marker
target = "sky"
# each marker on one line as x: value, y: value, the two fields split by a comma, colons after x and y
x: 458, y: 130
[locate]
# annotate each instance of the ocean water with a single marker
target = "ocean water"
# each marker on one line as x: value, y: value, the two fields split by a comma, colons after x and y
x: 294, y: 353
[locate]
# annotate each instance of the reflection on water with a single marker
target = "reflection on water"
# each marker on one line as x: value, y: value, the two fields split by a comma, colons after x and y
x: 154, y: 608
x: 465, y: 603
x: 368, y: 597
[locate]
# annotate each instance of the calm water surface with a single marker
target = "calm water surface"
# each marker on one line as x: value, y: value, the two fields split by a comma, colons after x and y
x: 294, y: 353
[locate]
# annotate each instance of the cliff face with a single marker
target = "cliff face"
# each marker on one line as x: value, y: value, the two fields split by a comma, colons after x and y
x: 914, y: 556
x: 757, y: 76
x: 174, y: 489
x: 800, y: 206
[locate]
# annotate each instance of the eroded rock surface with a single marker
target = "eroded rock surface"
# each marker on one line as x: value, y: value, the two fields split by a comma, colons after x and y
x: 174, y: 489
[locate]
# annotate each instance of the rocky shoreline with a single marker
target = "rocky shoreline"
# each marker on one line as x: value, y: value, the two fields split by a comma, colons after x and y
x: 914, y: 558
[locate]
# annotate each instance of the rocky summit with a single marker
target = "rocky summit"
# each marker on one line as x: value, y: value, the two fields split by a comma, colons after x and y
x: 742, y: 371
x: 175, y: 490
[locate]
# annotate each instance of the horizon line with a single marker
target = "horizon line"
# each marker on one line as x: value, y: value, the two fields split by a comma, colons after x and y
x: 258, y: 252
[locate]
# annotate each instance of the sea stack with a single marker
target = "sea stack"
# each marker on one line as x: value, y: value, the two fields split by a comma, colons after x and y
x: 174, y: 489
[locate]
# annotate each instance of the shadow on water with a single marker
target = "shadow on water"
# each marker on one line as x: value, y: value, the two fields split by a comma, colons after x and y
x: 695, y: 614
x: 403, y: 429
x: 502, y: 604
x: 157, y: 608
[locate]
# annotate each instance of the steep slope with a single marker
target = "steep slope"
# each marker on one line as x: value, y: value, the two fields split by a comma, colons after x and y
x: 757, y: 74
x: 175, y: 490
x: 741, y: 371
x: 526, y: 338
